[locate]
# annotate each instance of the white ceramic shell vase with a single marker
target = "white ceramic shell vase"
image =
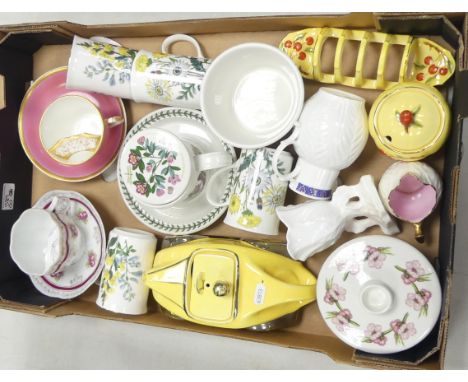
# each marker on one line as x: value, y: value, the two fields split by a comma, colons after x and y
x: 330, y: 135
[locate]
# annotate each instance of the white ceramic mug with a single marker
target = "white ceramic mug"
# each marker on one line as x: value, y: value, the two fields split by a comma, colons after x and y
x: 101, y: 65
x: 162, y: 170
x: 130, y: 253
x: 168, y: 79
x: 72, y: 129
x: 43, y: 242
x: 330, y: 135
x: 256, y: 193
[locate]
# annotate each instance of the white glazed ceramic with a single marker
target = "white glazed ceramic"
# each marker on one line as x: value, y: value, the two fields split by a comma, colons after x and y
x: 330, y: 135
x: 76, y: 278
x: 256, y: 192
x: 160, y: 169
x: 194, y: 213
x: 379, y: 294
x: 72, y: 129
x: 252, y: 95
x: 100, y: 65
x: 44, y: 242
x: 130, y: 253
x: 316, y: 225
x: 168, y: 79
x: 411, y: 191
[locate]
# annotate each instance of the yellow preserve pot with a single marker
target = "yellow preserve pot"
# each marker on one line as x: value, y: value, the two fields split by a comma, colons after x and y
x: 409, y: 121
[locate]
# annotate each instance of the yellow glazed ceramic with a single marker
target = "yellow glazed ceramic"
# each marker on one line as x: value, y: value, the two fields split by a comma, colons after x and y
x: 409, y: 121
x: 228, y: 283
x: 422, y: 60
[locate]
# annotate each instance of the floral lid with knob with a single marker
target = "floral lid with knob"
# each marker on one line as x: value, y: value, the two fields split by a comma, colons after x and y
x: 379, y: 294
x: 409, y: 121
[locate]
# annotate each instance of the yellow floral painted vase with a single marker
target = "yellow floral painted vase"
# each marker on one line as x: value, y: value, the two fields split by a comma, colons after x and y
x: 422, y: 60
x: 409, y: 121
x: 229, y: 283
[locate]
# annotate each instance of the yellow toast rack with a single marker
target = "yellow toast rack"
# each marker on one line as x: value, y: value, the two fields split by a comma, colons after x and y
x: 422, y: 60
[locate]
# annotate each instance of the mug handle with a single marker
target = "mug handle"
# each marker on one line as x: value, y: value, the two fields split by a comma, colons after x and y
x: 210, y: 161
x: 104, y: 40
x: 210, y: 194
x: 283, y: 144
x: 168, y: 41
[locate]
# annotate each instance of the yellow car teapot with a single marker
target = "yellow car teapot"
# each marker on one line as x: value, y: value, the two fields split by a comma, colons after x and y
x: 228, y: 283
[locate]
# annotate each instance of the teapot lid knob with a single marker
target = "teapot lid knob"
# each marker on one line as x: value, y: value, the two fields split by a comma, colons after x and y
x: 221, y: 288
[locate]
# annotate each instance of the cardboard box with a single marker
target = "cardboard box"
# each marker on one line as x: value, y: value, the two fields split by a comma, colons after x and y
x: 27, y: 51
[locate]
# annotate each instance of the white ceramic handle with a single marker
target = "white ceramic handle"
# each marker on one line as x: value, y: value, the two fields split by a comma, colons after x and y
x: 210, y: 161
x: 104, y: 40
x: 52, y: 205
x: 168, y: 41
x: 114, y: 121
x: 210, y: 192
x: 283, y: 144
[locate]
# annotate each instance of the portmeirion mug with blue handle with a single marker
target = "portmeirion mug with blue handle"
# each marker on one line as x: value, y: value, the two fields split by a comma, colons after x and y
x: 100, y: 64
x: 256, y: 191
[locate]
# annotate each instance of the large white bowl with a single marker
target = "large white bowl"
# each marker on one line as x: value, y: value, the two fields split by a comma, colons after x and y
x: 252, y: 95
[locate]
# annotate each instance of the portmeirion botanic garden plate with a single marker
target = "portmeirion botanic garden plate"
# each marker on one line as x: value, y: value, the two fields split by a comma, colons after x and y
x: 78, y: 277
x: 195, y: 212
x: 379, y: 294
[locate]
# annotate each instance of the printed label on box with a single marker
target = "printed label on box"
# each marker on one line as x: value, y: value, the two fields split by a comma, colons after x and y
x: 259, y: 294
x: 8, y: 196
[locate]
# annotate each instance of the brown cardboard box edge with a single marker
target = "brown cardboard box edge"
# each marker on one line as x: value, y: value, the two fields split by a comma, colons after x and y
x: 244, y: 24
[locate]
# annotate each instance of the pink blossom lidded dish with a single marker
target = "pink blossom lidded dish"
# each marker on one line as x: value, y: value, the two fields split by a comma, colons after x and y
x: 379, y: 294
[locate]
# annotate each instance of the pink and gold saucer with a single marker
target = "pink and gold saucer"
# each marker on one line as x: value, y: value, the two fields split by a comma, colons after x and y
x: 43, y: 92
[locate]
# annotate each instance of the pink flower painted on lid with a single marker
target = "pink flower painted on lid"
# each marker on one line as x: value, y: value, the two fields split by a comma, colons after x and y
x: 73, y: 230
x: 407, y: 279
x: 404, y: 330
x: 170, y: 159
x: 414, y: 269
x: 341, y: 320
x: 141, y: 140
x: 149, y: 168
x: 425, y: 294
x: 159, y: 192
x: 376, y: 259
x: 375, y: 334
x: 334, y: 294
x: 349, y: 266
x: 415, y: 300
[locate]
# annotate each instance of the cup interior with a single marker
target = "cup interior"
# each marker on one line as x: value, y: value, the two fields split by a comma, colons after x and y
x: 412, y: 200
x: 71, y: 129
x: 252, y: 95
x: 35, y: 242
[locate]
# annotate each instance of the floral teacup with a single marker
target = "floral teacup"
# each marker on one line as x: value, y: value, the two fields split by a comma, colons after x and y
x: 163, y: 170
x: 44, y: 242
x: 168, y: 79
x: 257, y: 191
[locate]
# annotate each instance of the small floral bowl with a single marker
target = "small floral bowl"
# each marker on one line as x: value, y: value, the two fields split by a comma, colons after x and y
x: 379, y: 294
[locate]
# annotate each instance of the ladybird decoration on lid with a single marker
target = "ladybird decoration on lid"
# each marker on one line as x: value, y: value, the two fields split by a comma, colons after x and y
x: 409, y: 121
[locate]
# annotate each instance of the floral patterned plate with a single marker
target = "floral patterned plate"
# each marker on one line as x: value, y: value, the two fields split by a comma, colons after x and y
x: 76, y: 278
x: 194, y: 213
x: 379, y: 294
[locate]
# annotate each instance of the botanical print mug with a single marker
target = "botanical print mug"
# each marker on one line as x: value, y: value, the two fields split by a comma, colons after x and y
x: 168, y: 79
x: 44, y: 242
x: 130, y: 253
x: 101, y: 65
x: 257, y: 191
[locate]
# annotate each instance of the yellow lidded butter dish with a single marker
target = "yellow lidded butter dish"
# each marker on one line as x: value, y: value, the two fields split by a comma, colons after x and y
x: 409, y: 121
